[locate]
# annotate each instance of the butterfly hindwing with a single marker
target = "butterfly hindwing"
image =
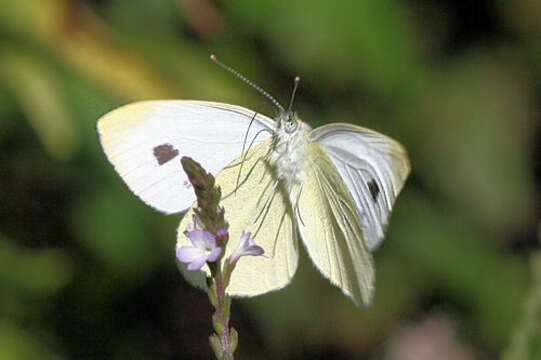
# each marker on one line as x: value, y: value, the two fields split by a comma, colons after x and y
x: 260, y: 206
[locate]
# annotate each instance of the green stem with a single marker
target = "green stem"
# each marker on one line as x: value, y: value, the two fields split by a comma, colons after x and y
x: 224, y: 342
x: 224, y: 336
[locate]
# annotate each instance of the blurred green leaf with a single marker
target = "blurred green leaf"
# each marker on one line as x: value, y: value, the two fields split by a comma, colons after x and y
x: 115, y: 227
x: 39, y: 19
x: 33, y: 272
x: 160, y: 17
x: 32, y: 81
x: 16, y: 343
x: 472, y: 139
x: 373, y: 43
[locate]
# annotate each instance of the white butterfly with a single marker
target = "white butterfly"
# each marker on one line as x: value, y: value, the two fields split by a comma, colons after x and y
x: 334, y: 185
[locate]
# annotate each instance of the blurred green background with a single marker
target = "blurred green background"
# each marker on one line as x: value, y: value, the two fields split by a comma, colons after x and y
x: 87, y: 271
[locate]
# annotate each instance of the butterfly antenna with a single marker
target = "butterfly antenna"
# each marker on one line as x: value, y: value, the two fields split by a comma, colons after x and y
x: 297, y: 80
x: 252, y: 84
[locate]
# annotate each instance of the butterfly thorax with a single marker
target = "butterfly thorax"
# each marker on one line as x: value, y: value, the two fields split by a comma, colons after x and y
x: 289, y: 146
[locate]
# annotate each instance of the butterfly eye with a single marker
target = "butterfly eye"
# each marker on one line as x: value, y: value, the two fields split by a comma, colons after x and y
x: 290, y: 126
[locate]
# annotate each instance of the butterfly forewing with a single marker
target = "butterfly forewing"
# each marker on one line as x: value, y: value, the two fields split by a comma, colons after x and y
x: 145, y: 141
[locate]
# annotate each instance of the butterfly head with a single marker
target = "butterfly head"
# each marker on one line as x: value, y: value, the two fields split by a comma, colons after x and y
x: 289, y: 125
x: 288, y: 122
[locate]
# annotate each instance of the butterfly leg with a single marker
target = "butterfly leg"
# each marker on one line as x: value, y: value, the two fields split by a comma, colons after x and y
x: 243, y: 154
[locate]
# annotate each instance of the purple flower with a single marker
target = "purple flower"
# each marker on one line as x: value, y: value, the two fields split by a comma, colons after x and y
x: 204, y: 249
x: 246, y: 246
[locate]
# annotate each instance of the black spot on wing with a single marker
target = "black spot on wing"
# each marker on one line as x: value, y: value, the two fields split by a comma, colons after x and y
x: 164, y: 153
x: 374, y: 189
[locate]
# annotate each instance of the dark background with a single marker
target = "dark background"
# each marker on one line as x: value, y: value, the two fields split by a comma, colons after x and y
x: 87, y: 271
